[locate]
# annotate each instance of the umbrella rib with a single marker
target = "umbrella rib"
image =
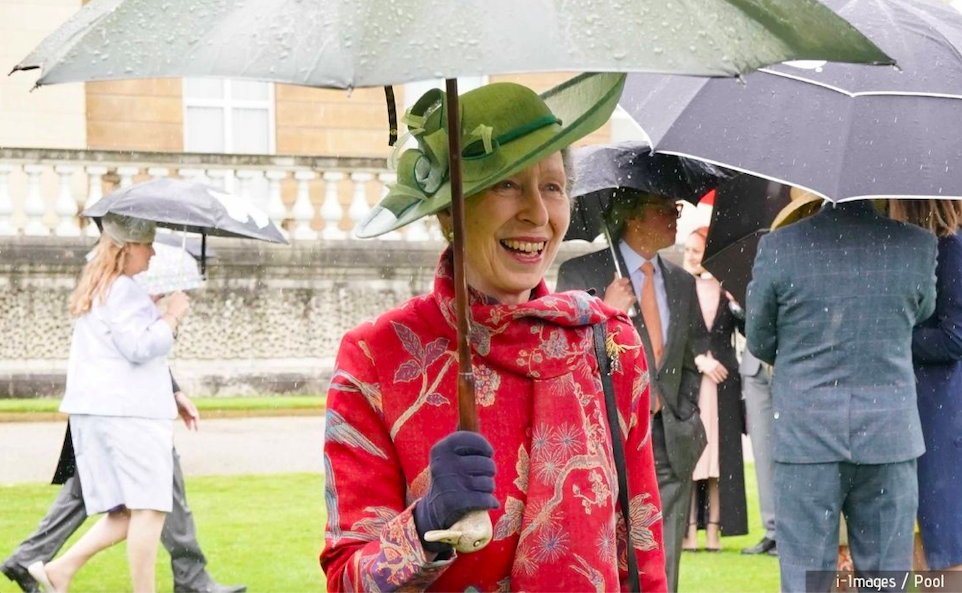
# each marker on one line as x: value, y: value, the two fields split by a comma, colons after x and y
x: 836, y: 89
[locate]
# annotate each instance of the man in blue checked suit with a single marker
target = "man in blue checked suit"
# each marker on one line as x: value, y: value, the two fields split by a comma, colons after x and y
x: 832, y: 304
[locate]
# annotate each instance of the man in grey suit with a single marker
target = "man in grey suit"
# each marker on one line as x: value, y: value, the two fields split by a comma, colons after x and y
x: 68, y: 513
x: 832, y: 304
x: 666, y: 302
x: 757, y: 391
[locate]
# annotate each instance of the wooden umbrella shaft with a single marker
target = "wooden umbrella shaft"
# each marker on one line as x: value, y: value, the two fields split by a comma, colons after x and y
x: 473, y: 531
x: 467, y: 409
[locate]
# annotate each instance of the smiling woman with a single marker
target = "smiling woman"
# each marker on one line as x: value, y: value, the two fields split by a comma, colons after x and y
x: 513, y: 230
x: 542, y: 463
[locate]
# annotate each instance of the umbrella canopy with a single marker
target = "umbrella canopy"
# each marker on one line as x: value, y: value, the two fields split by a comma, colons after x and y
x: 171, y: 269
x: 602, y: 168
x: 351, y: 43
x: 744, y: 209
x: 355, y: 43
x: 191, y: 207
x: 842, y: 131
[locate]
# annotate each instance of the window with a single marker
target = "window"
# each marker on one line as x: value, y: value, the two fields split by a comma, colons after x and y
x: 233, y: 116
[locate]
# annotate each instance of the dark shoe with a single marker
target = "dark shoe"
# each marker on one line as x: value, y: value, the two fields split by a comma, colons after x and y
x: 213, y: 588
x: 773, y: 552
x: 763, y: 547
x: 20, y: 576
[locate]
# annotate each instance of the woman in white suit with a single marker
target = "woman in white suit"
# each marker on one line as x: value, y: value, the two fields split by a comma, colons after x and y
x: 121, y: 405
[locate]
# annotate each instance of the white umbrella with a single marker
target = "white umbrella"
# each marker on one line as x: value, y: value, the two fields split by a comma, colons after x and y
x: 171, y: 269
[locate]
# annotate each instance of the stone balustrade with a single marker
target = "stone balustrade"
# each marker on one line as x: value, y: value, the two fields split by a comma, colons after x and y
x: 269, y: 318
x: 43, y: 191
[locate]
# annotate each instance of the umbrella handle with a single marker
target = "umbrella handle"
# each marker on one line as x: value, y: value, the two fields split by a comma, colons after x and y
x: 633, y: 310
x: 471, y: 533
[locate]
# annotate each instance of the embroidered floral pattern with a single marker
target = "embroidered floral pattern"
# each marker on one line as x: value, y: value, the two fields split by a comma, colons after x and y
x: 541, y: 405
x: 486, y: 384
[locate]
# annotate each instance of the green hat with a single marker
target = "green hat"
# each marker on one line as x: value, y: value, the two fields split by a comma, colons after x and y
x: 505, y: 128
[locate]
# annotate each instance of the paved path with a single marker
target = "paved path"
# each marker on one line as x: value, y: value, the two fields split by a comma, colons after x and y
x: 274, y: 445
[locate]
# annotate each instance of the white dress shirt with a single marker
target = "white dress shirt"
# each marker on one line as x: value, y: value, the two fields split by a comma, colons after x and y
x: 634, y: 261
x: 118, y: 358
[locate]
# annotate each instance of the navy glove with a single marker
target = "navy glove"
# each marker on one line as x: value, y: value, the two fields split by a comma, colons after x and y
x: 462, y: 480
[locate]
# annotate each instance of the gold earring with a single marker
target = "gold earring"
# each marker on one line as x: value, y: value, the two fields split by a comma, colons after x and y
x: 449, y: 235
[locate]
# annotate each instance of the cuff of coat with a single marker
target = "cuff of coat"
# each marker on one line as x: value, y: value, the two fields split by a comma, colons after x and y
x: 402, y: 561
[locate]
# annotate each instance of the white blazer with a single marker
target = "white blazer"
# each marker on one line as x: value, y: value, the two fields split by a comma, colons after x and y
x: 118, y: 358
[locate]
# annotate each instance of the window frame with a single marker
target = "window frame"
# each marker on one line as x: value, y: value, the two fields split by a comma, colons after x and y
x: 227, y: 104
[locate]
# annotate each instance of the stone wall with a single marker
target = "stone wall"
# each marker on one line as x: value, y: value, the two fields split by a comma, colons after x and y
x: 269, y: 319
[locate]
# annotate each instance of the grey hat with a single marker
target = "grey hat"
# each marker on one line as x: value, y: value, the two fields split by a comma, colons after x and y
x: 127, y: 229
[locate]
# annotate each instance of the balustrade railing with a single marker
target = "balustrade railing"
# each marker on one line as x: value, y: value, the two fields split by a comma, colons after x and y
x: 43, y: 191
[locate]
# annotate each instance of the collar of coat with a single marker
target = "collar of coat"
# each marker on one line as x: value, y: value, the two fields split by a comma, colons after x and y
x: 542, y: 338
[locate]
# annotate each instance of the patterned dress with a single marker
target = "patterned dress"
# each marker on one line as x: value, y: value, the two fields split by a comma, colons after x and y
x: 540, y: 404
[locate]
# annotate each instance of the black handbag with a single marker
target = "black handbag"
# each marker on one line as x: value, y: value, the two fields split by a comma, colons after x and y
x: 617, y: 448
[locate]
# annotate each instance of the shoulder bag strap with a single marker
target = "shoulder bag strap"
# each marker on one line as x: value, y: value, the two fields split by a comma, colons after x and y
x: 617, y: 448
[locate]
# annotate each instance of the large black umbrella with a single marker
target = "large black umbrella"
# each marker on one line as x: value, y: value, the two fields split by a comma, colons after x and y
x: 839, y: 130
x: 600, y: 169
x: 744, y: 209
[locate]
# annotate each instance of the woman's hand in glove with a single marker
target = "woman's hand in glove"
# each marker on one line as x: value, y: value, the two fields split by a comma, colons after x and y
x: 462, y: 480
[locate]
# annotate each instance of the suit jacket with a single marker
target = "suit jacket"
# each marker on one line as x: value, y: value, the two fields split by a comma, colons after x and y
x: 832, y: 303
x: 677, y: 380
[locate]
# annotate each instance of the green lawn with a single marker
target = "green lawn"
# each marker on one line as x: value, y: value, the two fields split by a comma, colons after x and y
x: 263, y: 531
x: 266, y: 532
x: 286, y: 402
x: 729, y: 571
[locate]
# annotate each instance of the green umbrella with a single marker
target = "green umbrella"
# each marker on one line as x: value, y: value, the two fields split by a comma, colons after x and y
x: 355, y: 43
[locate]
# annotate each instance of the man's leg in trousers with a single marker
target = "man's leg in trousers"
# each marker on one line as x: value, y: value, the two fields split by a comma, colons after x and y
x: 808, y: 500
x: 66, y: 515
x: 179, y: 537
x: 880, y: 510
x: 758, y: 406
x: 675, y: 503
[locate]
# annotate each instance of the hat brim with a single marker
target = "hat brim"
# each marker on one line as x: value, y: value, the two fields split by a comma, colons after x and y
x: 796, y: 210
x: 583, y: 104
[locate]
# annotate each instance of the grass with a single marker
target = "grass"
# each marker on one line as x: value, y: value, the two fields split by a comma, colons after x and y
x: 208, y: 404
x: 267, y: 531
x: 263, y: 531
x: 729, y: 571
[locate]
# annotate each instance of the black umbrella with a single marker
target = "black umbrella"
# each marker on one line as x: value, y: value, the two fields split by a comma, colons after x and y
x: 599, y: 170
x: 839, y: 130
x: 744, y: 209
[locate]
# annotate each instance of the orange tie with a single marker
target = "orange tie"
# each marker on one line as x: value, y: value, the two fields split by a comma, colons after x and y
x: 652, y: 318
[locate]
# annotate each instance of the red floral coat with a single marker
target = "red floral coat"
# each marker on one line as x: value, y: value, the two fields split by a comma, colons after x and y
x: 542, y: 407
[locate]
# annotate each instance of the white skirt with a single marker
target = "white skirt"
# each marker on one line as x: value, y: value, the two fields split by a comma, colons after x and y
x: 124, y: 461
